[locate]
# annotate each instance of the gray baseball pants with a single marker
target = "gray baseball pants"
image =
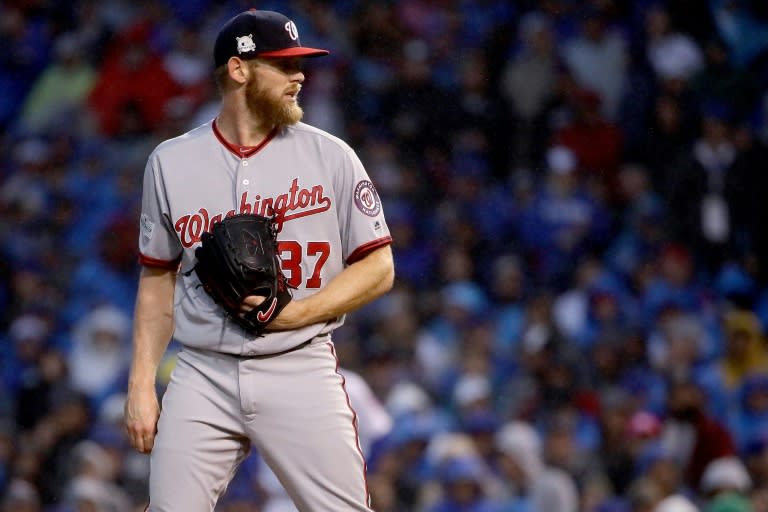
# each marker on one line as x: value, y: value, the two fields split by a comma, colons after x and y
x: 291, y: 407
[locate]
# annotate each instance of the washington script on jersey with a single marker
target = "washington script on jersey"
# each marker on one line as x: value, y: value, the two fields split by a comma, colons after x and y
x: 297, y: 202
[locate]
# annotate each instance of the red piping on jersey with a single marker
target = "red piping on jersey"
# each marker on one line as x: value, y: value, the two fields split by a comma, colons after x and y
x: 354, y: 425
x: 365, y: 249
x: 163, y: 264
x: 242, y: 151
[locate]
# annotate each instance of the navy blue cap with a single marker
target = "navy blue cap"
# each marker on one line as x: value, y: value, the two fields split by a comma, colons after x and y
x: 265, y: 34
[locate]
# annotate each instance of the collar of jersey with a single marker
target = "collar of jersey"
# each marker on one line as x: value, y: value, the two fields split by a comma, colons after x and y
x: 242, y: 151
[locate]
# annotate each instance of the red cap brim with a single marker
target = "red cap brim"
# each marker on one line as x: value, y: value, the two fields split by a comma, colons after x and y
x: 296, y: 51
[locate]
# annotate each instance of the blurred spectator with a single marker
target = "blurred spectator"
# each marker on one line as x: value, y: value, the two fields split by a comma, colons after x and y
x: 107, y: 274
x: 672, y: 54
x: 703, y: 190
x: 480, y: 119
x: 188, y: 64
x: 658, y: 475
x: 643, y: 496
x: 540, y: 347
x: 666, y: 141
x: 597, y: 58
x: 529, y: 78
x: 405, y: 459
x: 676, y: 503
x: 100, y: 353
x: 726, y: 484
x: 694, y: 437
x: 749, y: 420
x: 438, y: 345
x: 28, y: 337
x: 25, y: 192
x: 595, y: 142
x: 531, y: 483
x: 53, y: 440
x: 745, y: 33
x: 642, y: 233
x: 508, y: 292
x: 721, y: 81
x: 562, y: 221
x: 61, y: 90
x: 615, y: 454
x: 40, y: 388
x: 570, y: 308
x: 414, y: 108
x: 679, y: 348
x: 569, y: 442
x: 674, y: 287
x: 26, y: 45
x: 408, y: 399
x: 120, y: 100
x: 745, y: 348
x: 93, y: 481
x: 462, y: 480
x: 21, y: 496
x: 472, y: 395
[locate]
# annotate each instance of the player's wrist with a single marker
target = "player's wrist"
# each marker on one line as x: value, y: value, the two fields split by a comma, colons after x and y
x: 293, y: 316
x: 141, y: 381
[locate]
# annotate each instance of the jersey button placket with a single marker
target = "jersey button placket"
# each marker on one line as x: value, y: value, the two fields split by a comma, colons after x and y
x: 243, y: 181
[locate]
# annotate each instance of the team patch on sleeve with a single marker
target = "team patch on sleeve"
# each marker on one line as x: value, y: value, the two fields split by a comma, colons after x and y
x: 147, y: 227
x: 366, y: 198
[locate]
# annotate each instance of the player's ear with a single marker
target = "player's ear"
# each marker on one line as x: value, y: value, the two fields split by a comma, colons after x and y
x: 238, y: 70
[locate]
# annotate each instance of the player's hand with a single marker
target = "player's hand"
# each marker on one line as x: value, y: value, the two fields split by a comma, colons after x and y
x: 291, y: 317
x: 141, y: 413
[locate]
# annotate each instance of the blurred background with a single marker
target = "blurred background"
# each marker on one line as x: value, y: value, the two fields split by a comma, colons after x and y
x: 577, y: 195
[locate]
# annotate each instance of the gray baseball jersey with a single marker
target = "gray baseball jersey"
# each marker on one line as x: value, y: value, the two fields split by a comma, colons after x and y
x: 330, y: 215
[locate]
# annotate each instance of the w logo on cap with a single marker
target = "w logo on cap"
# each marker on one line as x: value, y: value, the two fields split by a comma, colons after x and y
x: 290, y: 27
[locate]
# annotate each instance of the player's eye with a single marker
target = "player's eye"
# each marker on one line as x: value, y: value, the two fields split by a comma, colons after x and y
x: 289, y: 66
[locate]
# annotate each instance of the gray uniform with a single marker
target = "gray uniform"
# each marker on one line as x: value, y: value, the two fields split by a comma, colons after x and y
x: 231, y: 389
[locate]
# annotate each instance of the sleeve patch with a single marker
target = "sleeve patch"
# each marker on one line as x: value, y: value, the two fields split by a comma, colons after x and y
x: 366, y: 198
x: 147, y: 227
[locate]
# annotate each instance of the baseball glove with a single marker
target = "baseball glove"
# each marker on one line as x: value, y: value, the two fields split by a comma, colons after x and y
x: 238, y: 258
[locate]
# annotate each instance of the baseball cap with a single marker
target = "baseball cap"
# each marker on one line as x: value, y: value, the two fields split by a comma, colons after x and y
x: 675, y: 503
x: 265, y: 34
x: 726, y: 473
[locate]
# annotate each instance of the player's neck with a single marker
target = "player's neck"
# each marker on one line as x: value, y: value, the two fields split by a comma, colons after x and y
x: 241, y: 130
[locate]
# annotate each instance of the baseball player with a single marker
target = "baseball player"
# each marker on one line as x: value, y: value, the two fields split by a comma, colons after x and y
x: 281, y: 392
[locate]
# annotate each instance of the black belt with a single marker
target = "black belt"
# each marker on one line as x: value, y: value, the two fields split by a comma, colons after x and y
x: 274, y: 354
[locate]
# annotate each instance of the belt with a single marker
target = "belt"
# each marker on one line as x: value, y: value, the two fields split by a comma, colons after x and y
x: 286, y: 351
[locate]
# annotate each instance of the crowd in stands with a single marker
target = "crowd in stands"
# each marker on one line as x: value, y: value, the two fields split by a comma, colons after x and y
x: 577, y: 192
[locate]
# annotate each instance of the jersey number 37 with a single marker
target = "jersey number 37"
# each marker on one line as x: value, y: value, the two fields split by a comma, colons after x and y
x: 291, y: 255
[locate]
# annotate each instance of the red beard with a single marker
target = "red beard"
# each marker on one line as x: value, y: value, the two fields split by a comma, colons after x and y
x: 272, y: 111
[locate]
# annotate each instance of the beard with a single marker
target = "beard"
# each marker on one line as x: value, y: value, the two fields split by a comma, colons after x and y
x: 277, y: 112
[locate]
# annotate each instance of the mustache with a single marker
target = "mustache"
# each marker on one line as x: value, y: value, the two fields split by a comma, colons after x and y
x: 295, y: 89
